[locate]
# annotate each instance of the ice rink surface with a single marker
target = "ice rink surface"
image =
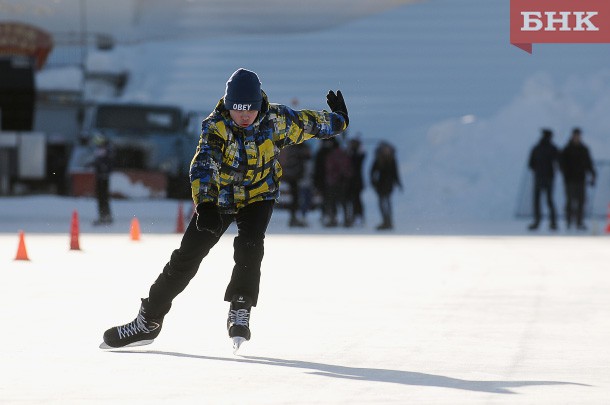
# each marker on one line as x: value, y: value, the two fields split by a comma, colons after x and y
x: 343, y: 318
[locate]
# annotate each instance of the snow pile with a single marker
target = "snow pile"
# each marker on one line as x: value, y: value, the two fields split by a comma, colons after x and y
x: 473, y: 167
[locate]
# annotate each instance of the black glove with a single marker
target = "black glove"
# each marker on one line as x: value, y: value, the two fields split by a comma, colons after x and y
x: 209, y: 219
x: 337, y: 104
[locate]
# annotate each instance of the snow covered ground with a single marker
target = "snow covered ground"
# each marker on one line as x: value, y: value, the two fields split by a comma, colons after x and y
x: 486, y: 314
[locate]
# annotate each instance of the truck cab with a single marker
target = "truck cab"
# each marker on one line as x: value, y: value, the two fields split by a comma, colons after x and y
x: 153, y: 146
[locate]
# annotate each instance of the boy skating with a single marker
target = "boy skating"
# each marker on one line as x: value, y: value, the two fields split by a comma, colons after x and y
x: 234, y: 176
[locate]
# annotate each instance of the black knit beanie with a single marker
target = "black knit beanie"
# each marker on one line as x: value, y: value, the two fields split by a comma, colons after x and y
x: 243, y: 91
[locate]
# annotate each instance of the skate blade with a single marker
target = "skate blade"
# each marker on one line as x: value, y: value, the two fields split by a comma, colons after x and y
x: 237, y: 341
x: 134, y: 344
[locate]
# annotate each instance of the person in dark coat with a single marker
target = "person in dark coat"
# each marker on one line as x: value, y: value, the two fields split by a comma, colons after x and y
x: 543, y: 162
x: 293, y: 160
x: 384, y: 177
x: 102, y: 164
x: 354, y: 207
x: 319, y: 176
x: 338, y: 170
x: 576, y: 164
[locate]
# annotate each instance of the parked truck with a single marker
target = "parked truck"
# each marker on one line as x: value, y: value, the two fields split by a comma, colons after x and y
x: 153, y: 147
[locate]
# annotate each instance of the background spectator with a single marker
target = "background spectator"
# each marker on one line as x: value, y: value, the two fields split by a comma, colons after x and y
x: 293, y: 160
x: 354, y: 206
x: 102, y: 163
x: 576, y: 163
x: 384, y: 176
x: 543, y: 161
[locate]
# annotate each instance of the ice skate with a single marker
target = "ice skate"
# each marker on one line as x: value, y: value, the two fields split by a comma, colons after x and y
x: 238, y: 320
x: 237, y: 341
x: 141, y: 331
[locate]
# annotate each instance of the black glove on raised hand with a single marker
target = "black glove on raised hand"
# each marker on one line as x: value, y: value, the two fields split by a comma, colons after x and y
x: 337, y: 104
x: 209, y: 219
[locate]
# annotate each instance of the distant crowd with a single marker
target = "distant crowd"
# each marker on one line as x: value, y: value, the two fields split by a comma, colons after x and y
x: 331, y: 180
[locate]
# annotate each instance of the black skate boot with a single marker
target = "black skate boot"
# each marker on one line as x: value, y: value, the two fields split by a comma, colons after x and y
x: 141, y: 331
x: 238, y: 321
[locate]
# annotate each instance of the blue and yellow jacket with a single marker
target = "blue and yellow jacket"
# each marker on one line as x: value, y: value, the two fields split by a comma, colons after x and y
x: 235, y: 166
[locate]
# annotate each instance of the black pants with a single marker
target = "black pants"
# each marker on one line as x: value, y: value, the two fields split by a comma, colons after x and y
x: 334, y: 200
x: 295, y: 200
x: 575, y: 202
x: 545, y: 187
x: 102, y: 193
x: 252, y: 222
x: 385, y: 207
x: 354, y: 206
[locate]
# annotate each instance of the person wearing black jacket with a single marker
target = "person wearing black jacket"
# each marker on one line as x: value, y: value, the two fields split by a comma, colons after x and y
x: 355, y: 208
x: 543, y: 162
x: 103, y: 157
x: 575, y: 164
x: 293, y: 160
x: 384, y: 178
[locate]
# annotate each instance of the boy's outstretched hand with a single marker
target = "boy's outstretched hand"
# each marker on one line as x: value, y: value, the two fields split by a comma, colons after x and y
x: 337, y: 104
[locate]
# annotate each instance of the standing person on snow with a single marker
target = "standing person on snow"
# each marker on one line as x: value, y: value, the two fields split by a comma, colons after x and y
x: 293, y: 162
x: 576, y: 163
x: 543, y: 160
x: 338, y: 171
x: 234, y: 176
x: 102, y: 163
x: 355, y: 186
x: 319, y: 176
x: 384, y: 177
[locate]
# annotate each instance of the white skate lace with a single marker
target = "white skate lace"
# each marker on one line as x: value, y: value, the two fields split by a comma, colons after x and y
x: 239, y: 317
x: 132, y: 328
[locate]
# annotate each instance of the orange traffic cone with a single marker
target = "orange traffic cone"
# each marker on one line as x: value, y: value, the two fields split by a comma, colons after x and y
x: 22, y: 253
x: 135, y: 229
x: 608, y: 220
x: 180, y: 220
x: 74, y: 231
